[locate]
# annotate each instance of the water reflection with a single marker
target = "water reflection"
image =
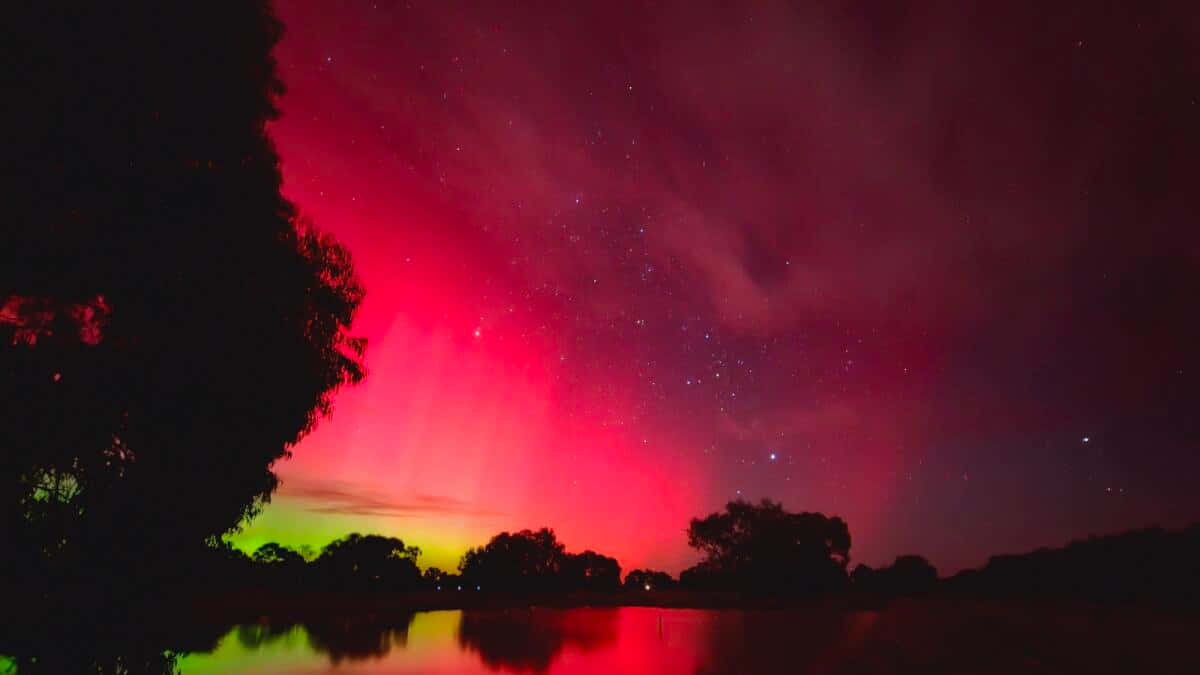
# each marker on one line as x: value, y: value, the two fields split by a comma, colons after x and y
x: 341, y: 638
x: 357, y: 638
x: 926, y: 637
x: 762, y: 641
x: 104, y: 645
x: 528, y: 640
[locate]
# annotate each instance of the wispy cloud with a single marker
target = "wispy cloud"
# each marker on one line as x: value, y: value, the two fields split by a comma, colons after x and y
x: 342, y: 497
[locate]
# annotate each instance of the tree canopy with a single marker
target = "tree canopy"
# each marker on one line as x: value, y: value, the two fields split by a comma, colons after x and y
x: 907, y: 575
x: 763, y: 547
x: 591, y: 571
x: 368, y: 562
x: 519, y: 561
x: 649, y: 580
x: 169, y: 325
x: 276, y: 554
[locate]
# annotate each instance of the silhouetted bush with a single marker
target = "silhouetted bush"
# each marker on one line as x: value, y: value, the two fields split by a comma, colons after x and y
x: 435, y: 578
x: 648, y: 580
x: 907, y: 575
x: 279, y: 567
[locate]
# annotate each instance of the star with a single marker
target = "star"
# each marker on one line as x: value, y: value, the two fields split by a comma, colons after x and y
x: 605, y: 309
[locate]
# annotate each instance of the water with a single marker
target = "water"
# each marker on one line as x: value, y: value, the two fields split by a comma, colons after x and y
x: 921, y: 636
x: 621, y: 640
x: 576, y: 641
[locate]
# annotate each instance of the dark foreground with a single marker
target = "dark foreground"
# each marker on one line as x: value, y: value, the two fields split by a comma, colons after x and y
x: 915, y: 635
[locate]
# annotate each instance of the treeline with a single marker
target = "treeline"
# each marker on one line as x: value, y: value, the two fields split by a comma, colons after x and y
x: 757, y: 550
x: 760, y: 549
x: 1151, y: 565
x: 518, y: 562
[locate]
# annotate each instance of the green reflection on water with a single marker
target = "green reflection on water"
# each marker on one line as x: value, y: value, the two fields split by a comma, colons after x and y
x: 428, y: 639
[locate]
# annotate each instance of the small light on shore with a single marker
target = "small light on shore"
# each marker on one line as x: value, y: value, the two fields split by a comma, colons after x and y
x: 647, y: 586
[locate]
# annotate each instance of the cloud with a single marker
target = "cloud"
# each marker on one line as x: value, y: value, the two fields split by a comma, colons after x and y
x: 346, y: 498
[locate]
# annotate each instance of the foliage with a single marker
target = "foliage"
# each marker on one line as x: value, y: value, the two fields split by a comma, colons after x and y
x: 276, y: 554
x: 437, y: 579
x: 648, y: 580
x: 1151, y: 565
x: 761, y: 547
x: 907, y: 575
x: 169, y: 326
x: 590, y: 571
x: 519, y: 561
x: 368, y: 563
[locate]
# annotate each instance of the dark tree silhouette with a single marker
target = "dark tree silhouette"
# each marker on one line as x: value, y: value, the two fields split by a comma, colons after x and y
x: 910, y: 574
x: 907, y: 575
x: 168, y: 325
x: 648, y: 580
x: 590, y: 571
x: 279, y: 567
x: 433, y: 577
x: 863, y: 577
x: 440, y: 580
x: 763, y: 548
x: 261, y: 633
x: 1145, y: 566
x: 276, y: 554
x: 218, y: 567
x: 520, y: 561
x: 368, y: 563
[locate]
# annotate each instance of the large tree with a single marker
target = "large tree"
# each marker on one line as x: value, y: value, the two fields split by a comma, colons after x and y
x: 517, y: 561
x: 648, y: 580
x: 368, y: 562
x: 590, y: 571
x: 762, y: 547
x: 169, y: 326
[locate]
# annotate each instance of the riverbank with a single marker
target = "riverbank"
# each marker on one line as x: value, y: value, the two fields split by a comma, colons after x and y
x: 248, y: 606
x: 308, y: 603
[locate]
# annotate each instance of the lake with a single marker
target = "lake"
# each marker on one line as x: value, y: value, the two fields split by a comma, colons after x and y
x: 586, y: 640
x: 910, y: 636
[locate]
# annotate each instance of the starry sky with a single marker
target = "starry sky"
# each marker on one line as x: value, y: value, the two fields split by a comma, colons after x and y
x: 931, y: 269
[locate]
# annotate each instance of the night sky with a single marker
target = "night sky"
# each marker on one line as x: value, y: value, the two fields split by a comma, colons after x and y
x: 931, y: 269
